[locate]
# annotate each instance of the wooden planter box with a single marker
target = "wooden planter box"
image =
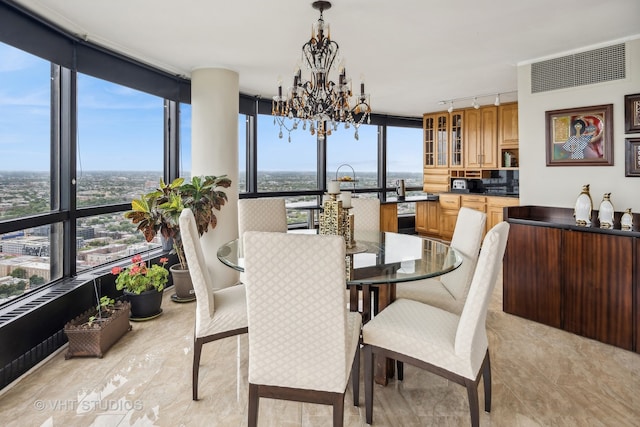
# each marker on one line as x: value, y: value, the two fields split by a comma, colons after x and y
x: 96, y: 340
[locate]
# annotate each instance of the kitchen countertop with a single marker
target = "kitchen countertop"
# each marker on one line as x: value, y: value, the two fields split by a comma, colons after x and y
x: 410, y: 199
x: 460, y: 193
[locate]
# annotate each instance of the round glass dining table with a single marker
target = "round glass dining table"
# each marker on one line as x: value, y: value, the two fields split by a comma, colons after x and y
x: 378, y: 260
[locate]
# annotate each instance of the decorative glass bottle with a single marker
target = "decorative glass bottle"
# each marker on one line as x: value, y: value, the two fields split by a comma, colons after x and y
x: 605, y: 213
x: 584, y: 205
x: 626, y: 222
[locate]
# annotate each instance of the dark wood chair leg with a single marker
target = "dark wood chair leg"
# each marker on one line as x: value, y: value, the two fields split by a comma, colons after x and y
x: 197, y: 350
x: 338, y: 411
x: 400, y: 368
x: 486, y: 376
x: 472, y: 392
x: 253, y: 405
x: 368, y: 383
x: 355, y: 377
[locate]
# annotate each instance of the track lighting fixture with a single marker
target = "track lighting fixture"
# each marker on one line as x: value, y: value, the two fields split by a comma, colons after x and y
x: 474, y: 100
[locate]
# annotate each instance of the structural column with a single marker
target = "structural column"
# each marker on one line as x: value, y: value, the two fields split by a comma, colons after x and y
x: 214, y: 151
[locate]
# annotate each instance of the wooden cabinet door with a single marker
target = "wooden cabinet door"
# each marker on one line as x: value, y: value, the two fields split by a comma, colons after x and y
x: 433, y: 218
x: 481, y: 137
x: 472, y: 133
x: 427, y: 218
x: 489, y: 143
x: 508, y: 125
x: 598, y: 272
x: 495, y: 209
x: 421, y: 217
x: 389, y: 217
x: 448, y: 220
x: 532, y: 274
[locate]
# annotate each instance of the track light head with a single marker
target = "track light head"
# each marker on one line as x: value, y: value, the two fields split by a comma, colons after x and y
x: 497, y: 102
x: 450, y: 109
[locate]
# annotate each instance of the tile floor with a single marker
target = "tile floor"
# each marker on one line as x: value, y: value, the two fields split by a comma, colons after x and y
x: 541, y: 377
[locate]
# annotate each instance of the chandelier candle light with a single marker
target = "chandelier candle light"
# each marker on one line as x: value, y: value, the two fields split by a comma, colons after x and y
x: 320, y: 101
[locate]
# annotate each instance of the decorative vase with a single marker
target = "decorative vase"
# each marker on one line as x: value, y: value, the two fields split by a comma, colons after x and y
x: 182, y: 284
x: 626, y: 222
x: 145, y: 305
x: 584, y: 205
x: 605, y: 212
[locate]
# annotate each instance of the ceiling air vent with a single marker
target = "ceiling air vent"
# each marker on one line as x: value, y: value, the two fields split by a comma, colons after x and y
x: 584, y: 68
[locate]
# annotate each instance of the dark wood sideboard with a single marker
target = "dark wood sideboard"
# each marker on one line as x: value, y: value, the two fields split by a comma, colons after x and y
x: 585, y: 280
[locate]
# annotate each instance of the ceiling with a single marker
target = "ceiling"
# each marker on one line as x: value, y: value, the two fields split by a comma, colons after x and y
x: 412, y: 53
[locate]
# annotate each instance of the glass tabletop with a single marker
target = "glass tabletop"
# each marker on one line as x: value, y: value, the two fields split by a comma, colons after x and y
x: 379, y: 258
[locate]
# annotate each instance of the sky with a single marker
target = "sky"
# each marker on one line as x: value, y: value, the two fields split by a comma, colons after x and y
x: 121, y: 129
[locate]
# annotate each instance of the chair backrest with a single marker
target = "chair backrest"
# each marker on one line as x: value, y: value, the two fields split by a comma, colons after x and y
x: 467, y: 237
x: 296, y: 306
x: 262, y: 214
x: 471, y: 335
x: 366, y: 214
x: 202, y: 284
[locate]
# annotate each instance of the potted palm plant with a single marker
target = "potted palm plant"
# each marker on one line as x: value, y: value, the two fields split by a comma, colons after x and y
x: 158, y: 212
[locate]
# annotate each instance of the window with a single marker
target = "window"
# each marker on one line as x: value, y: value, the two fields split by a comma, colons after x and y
x: 283, y: 165
x: 185, y: 141
x: 120, y: 142
x: 360, y: 154
x: 25, y: 134
x: 26, y: 259
x: 243, y: 140
x: 104, y: 238
x: 404, y: 144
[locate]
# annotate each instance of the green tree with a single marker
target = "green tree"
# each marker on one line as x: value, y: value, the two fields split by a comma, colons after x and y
x: 19, y: 273
x: 36, y: 280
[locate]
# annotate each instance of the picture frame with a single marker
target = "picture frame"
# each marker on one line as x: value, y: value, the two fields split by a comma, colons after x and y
x: 580, y: 136
x: 632, y: 157
x: 632, y: 113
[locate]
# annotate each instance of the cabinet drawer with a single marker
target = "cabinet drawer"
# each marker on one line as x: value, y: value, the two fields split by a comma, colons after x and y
x: 474, y: 202
x: 449, y: 201
x: 472, y: 199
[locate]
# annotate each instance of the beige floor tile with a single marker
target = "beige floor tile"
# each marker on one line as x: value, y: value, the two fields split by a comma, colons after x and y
x: 541, y: 377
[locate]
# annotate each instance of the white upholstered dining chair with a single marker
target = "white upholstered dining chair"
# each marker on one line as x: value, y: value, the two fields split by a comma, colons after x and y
x: 366, y: 214
x: 261, y: 214
x: 219, y: 314
x: 450, y: 290
x: 452, y: 346
x: 303, y: 342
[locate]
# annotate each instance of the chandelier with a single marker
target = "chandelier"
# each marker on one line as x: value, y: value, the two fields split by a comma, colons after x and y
x: 320, y: 101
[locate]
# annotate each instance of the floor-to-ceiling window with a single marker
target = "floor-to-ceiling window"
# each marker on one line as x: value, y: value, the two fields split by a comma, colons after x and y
x: 25, y: 172
x: 354, y: 158
x: 401, y: 141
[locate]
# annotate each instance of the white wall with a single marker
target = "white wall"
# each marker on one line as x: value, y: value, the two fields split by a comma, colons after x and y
x: 559, y: 186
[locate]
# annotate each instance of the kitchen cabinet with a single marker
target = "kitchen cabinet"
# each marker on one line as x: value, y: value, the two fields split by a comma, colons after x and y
x: 449, y: 207
x: 495, y: 209
x: 436, y: 141
x: 481, y: 137
x: 508, y: 135
x: 389, y: 217
x: 428, y: 218
x: 456, y: 141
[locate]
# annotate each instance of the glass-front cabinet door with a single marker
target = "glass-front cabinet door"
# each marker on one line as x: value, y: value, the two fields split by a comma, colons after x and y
x: 429, y: 141
x: 436, y: 140
x: 455, y: 139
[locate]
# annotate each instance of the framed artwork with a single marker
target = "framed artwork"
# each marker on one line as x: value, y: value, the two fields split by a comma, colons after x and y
x: 632, y: 157
x: 580, y: 136
x: 632, y: 113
